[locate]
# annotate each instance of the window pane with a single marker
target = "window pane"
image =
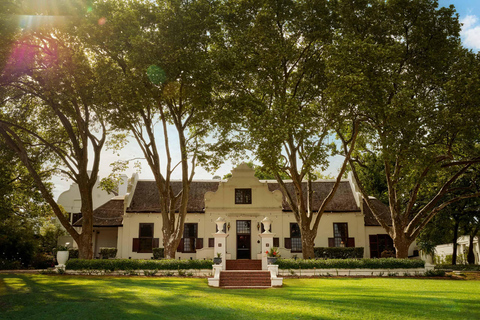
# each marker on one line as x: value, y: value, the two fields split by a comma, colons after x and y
x: 243, y: 196
x: 145, y: 245
x: 146, y: 230
x: 296, y: 244
x: 190, y: 230
x: 294, y: 230
x: 189, y: 236
x: 243, y: 227
x: 340, y: 233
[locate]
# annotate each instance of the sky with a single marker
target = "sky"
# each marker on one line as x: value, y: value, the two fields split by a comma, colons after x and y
x: 469, y: 15
x: 469, y: 12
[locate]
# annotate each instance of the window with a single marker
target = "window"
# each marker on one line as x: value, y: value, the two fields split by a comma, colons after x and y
x: 189, y: 237
x: 76, y: 217
x: 145, y: 235
x: 244, y: 227
x: 243, y: 196
x: 380, y: 243
x: 295, y: 237
x: 340, y: 234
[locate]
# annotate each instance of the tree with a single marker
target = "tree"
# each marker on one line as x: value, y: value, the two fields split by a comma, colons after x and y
x: 52, y: 115
x: 158, y: 65
x: 274, y: 66
x: 402, y: 64
x: 22, y: 212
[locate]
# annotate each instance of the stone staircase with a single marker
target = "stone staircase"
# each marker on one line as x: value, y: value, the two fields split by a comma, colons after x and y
x: 245, y: 279
x: 244, y: 264
x: 244, y: 274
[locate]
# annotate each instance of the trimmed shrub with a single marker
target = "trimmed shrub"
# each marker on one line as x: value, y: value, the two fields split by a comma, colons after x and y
x: 73, y: 253
x: 43, y: 261
x: 338, y: 253
x: 108, y: 252
x: 388, y: 254
x: 435, y: 273
x: 383, y: 263
x: 158, y: 253
x: 458, y: 267
x: 132, y: 264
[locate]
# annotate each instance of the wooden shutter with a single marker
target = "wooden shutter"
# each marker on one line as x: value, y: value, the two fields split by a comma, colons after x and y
x: 276, y: 242
x: 288, y: 243
x: 199, y: 243
x: 211, y: 242
x: 331, y: 242
x: 136, y: 245
x: 351, y: 242
x: 180, y: 246
x: 156, y: 243
x: 373, y: 245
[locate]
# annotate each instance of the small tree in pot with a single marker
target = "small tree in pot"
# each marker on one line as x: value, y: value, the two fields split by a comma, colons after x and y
x: 272, y: 255
x: 218, y: 259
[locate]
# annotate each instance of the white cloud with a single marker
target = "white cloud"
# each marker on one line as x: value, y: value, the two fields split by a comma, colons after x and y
x: 471, y: 32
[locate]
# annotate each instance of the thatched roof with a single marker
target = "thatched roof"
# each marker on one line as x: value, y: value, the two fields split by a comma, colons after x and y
x: 380, y: 207
x: 343, y: 200
x: 107, y: 215
x: 146, y: 197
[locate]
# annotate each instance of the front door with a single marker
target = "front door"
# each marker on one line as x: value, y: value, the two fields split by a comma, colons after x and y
x: 243, y: 239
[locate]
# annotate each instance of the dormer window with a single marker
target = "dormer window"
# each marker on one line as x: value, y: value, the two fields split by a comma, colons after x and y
x: 243, y: 196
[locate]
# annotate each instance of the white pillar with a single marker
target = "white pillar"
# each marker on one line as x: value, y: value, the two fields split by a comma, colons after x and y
x: 215, y: 281
x: 220, y: 242
x: 267, y: 241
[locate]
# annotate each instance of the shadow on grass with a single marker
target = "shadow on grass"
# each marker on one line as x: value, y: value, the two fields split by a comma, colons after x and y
x: 73, y: 297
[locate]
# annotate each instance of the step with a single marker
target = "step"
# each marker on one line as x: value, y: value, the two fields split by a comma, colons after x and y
x: 245, y: 279
x: 244, y: 264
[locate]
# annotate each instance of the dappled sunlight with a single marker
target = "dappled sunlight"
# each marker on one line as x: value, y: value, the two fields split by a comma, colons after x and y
x: 16, y: 285
x: 180, y: 298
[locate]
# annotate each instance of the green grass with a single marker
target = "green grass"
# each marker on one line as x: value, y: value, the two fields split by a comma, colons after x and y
x: 75, y: 297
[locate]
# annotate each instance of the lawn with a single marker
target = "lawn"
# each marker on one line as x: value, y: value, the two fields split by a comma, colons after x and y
x: 36, y: 296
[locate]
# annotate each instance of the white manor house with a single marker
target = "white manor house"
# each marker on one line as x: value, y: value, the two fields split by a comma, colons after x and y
x: 132, y: 223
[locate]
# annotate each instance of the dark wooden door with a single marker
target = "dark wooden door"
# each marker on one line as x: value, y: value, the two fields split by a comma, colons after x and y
x: 244, y: 239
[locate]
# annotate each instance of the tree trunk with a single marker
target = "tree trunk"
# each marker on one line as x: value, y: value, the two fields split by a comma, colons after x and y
x: 455, y: 238
x: 470, y: 255
x: 85, y: 239
x: 401, y: 245
x: 308, y: 243
x: 170, y: 246
x: 85, y: 245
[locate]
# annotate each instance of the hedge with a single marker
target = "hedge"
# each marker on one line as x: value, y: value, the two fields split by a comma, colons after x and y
x: 108, y: 252
x: 132, y: 264
x: 158, y: 253
x: 382, y: 263
x: 458, y: 267
x: 338, y: 253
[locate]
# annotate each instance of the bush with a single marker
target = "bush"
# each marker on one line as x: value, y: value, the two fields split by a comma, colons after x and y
x: 132, y: 264
x: 10, y: 264
x: 43, y: 261
x: 73, y: 253
x: 158, y: 253
x: 383, y: 263
x: 458, y: 267
x: 388, y: 254
x: 435, y: 273
x: 108, y: 252
x: 338, y: 253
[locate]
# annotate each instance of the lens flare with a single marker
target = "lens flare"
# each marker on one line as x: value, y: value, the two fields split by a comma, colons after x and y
x: 156, y: 74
